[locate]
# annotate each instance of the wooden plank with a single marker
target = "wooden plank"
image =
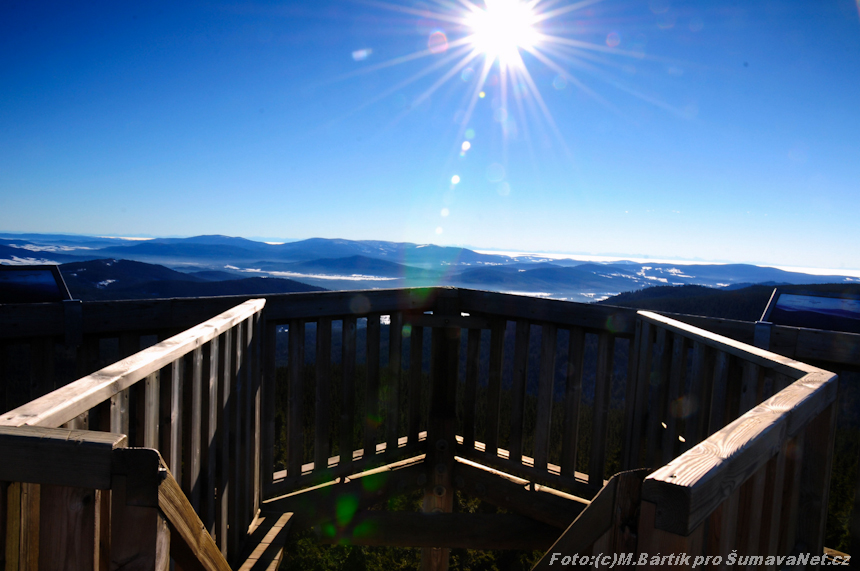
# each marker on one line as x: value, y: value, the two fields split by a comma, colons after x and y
x: 392, y: 397
x: 643, y: 385
x: 716, y: 414
x: 657, y: 398
x: 722, y: 528
x: 630, y: 389
x: 518, y: 388
x: 772, y: 507
x: 494, y: 383
x: 254, y: 434
x: 817, y: 464
x: 193, y: 546
x: 473, y: 357
x: 791, y: 494
x: 620, y: 320
x: 657, y: 542
x: 572, y: 398
x: 371, y: 401
x: 690, y: 487
x: 177, y: 390
x: 214, y: 429
x: 268, y: 398
x: 749, y: 384
x: 750, y: 512
x: 700, y: 392
x: 119, y: 412
x: 70, y: 401
x: 152, y: 407
x: 296, y: 362
x: 322, y: 434
x: 236, y: 533
x: 600, y: 419
x: 225, y: 484
x: 448, y: 530
x: 30, y: 522
x: 347, y: 411
x: 545, y: 393
x: 676, y: 381
x: 67, y: 531
x: 510, y: 492
x: 416, y: 369
x: 197, y: 428
x: 57, y: 456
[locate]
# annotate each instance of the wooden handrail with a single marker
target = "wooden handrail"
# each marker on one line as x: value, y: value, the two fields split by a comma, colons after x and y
x: 66, y: 403
x: 784, y: 365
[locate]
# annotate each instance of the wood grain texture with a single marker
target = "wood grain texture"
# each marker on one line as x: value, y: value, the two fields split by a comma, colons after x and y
x: 67, y: 532
x: 518, y: 388
x: 690, y: 487
x: 546, y: 381
x: 494, y: 384
x: 572, y: 398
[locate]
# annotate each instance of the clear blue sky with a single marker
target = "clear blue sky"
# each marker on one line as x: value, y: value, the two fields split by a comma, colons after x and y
x: 722, y: 130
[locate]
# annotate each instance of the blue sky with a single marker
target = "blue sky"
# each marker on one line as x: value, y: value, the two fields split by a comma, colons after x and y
x: 725, y: 131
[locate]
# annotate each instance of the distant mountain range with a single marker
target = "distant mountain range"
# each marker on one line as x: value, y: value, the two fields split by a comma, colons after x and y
x: 102, y: 268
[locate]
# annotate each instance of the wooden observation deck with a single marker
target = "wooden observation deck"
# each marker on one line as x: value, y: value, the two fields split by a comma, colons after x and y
x: 597, y: 429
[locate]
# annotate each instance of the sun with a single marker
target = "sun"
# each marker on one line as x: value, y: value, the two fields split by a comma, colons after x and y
x: 501, y: 29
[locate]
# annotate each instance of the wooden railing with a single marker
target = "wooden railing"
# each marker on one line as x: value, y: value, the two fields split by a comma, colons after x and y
x: 555, y: 394
x: 196, y: 398
x: 759, y: 483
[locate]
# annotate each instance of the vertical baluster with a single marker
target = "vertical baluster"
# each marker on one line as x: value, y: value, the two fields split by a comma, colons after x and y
x: 119, y: 421
x: 257, y: 436
x: 67, y: 531
x: 295, y: 436
x: 545, y: 388
x: 494, y: 385
x: 235, y: 531
x: 416, y: 363
x: 268, y: 400
x: 717, y: 416
x: 749, y: 386
x: 392, y: 416
x: 347, y: 411
x: 772, y: 508
x: 572, y: 398
x: 791, y: 494
x: 247, y: 422
x: 699, y: 398
x: 177, y: 374
x: 151, y: 424
x: 630, y: 391
x: 322, y: 435
x: 676, y: 383
x: 473, y: 357
x: 371, y: 411
x: 194, y: 424
x: 518, y: 389
x: 212, y: 435
x: 658, y: 388
x: 600, y: 418
x: 225, y: 489
x: 815, y: 479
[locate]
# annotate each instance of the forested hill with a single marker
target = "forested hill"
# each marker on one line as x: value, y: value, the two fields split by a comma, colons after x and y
x: 746, y: 304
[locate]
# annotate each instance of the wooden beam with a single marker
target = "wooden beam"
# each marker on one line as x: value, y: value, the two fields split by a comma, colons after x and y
x: 75, y: 458
x: 445, y: 530
x: 691, y: 486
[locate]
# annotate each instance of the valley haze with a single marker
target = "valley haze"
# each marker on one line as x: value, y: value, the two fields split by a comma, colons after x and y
x: 221, y: 265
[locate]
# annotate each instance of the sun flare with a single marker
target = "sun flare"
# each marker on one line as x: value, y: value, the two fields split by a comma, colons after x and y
x: 502, y: 28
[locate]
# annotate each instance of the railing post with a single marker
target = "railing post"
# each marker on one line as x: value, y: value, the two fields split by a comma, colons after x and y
x: 140, y: 538
x: 439, y: 491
